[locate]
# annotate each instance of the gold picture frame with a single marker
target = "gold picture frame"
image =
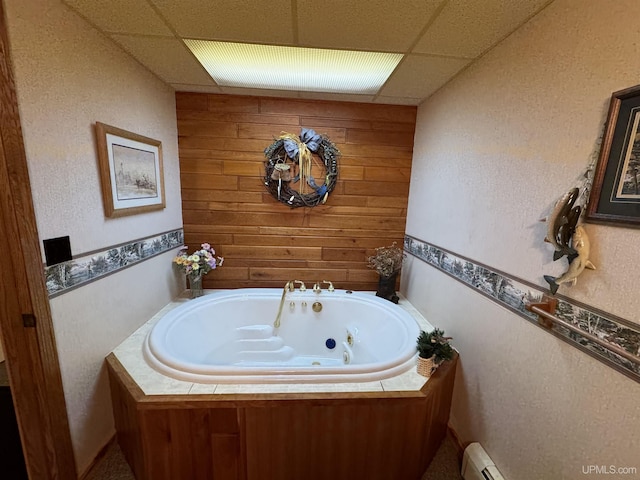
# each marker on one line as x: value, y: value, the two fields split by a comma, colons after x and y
x: 131, y: 171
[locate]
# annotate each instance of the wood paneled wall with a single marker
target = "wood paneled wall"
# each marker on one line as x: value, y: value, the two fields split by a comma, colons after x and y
x: 266, y: 243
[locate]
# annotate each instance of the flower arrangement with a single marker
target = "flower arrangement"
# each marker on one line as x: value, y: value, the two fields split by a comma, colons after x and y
x: 197, y: 264
x: 387, y: 260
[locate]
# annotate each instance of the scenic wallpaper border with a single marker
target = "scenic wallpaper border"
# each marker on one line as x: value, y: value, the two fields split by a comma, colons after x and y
x: 512, y: 293
x: 67, y: 276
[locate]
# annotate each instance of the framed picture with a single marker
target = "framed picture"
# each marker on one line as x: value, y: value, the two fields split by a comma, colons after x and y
x: 615, y: 194
x: 130, y: 171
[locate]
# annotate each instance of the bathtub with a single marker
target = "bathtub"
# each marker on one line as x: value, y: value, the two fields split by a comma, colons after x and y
x: 229, y: 337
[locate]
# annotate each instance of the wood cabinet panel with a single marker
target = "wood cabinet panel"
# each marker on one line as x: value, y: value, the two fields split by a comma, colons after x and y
x: 378, y: 436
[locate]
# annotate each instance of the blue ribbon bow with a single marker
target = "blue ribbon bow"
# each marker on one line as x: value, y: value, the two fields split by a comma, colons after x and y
x: 308, y: 137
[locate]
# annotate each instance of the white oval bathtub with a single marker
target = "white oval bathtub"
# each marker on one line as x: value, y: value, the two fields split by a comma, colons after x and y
x: 229, y: 337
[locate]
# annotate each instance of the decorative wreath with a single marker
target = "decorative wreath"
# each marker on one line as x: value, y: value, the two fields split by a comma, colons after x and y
x: 290, y: 160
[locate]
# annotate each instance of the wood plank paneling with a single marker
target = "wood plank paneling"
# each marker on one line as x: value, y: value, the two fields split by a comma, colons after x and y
x: 265, y: 243
x: 373, y: 435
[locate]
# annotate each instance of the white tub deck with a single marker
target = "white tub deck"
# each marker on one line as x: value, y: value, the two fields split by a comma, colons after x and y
x: 130, y: 354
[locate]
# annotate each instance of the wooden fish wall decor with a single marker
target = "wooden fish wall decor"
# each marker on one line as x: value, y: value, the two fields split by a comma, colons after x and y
x: 568, y: 239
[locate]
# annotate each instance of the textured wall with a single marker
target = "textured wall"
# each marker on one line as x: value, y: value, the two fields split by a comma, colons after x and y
x: 494, y: 150
x: 265, y: 242
x: 68, y: 77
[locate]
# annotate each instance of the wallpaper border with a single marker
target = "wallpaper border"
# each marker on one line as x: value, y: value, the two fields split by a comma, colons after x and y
x: 92, y: 266
x: 512, y: 293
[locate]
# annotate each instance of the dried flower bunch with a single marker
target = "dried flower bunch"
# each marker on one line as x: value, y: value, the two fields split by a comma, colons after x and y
x: 199, y: 262
x: 387, y: 260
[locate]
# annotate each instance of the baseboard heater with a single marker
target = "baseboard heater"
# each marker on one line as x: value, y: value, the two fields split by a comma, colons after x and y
x: 477, y: 465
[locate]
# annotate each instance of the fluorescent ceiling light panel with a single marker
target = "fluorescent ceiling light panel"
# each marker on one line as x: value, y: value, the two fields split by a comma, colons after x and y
x: 294, y: 68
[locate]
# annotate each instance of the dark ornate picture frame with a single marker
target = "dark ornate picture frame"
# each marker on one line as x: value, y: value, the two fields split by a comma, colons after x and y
x: 615, y: 194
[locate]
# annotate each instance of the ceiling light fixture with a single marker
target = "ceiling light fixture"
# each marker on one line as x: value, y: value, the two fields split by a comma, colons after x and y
x: 294, y: 68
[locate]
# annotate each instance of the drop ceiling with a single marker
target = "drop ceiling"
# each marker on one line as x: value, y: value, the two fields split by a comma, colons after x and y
x: 438, y: 38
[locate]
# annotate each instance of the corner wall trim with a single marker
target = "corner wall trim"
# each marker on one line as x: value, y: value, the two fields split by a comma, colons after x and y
x: 67, y: 276
x: 512, y: 292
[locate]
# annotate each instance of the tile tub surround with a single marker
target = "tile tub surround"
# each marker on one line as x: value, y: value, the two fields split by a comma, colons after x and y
x: 383, y: 431
x: 129, y: 354
x: 513, y: 293
x: 85, y: 268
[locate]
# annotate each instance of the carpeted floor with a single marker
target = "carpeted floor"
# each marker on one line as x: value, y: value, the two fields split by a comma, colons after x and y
x: 445, y: 465
x: 113, y: 466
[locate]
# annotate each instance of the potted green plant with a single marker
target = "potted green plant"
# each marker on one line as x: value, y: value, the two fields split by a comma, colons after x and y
x: 433, y: 349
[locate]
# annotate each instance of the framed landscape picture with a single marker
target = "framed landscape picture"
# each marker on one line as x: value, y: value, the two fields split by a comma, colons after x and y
x: 131, y: 173
x: 615, y: 194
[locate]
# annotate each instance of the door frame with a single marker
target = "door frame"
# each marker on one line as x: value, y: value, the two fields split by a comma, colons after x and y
x: 25, y: 315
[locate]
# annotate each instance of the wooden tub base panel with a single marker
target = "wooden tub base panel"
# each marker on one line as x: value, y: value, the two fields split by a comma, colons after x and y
x: 377, y: 436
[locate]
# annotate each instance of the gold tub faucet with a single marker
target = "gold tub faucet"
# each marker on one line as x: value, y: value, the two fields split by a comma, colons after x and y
x: 331, y: 289
x: 288, y: 287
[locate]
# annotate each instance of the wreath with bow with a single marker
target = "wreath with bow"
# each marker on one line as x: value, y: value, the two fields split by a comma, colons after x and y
x: 289, y: 163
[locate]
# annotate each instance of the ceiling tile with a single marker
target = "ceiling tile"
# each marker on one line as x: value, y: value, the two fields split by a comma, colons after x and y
x: 378, y: 25
x: 230, y: 20
x: 259, y: 92
x: 338, y: 97
x: 121, y: 16
x: 187, y: 87
x: 168, y: 58
x: 419, y: 76
x: 397, y: 100
x: 467, y: 29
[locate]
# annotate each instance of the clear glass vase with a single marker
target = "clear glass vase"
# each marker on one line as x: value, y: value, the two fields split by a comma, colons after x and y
x: 195, y: 285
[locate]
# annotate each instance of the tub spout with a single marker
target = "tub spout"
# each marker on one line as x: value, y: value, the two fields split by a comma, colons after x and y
x: 288, y: 287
